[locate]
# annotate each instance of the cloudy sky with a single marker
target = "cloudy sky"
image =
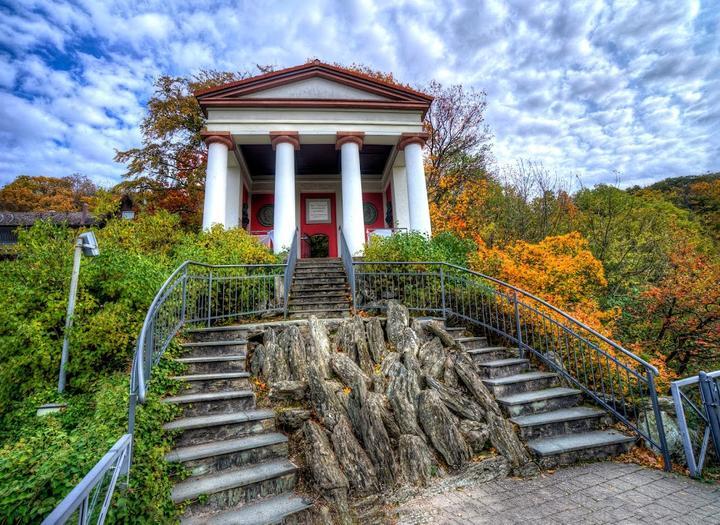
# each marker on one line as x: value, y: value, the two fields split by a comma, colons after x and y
x: 601, y: 89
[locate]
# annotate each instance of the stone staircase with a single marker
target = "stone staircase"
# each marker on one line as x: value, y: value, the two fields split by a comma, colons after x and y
x: 238, y: 464
x: 552, y: 419
x: 320, y: 288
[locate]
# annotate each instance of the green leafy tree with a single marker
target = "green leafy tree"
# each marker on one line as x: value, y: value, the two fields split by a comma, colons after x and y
x: 168, y: 170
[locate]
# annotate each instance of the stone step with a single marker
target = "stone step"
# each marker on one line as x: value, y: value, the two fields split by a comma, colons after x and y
x: 456, y: 331
x: 214, y: 364
x: 318, y: 298
x: 197, y: 383
x: 558, y: 422
x: 214, y: 348
x: 330, y: 268
x: 526, y: 382
x: 503, y: 367
x: 571, y: 448
x: 222, y: 455
x: 270, y: 510
x: 322, y: 313
x: 491, y: 353
x: 314, y: 302
x: 309, y: 286
x: 205, y: 429
x: 209, y: 403
x: 539, y: 401
x: 472, y: 343
x: 299, y: 283
x: 216, y: 333
x: 320, y: 289
x: 234, y: 488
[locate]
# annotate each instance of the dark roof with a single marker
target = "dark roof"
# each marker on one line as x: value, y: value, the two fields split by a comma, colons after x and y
x: 28, y: 218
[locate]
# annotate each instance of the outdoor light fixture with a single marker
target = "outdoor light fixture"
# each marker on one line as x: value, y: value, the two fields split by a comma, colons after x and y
x: 86, y: 244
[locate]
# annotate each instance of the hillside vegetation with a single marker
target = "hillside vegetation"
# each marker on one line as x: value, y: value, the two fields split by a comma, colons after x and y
x: 42, y: 458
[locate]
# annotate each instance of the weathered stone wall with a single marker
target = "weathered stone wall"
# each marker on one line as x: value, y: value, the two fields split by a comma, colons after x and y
x: 375, y: 409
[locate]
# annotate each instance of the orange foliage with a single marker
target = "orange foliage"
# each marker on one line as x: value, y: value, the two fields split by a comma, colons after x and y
x: 561, y: 270
x: 459, y: 211
x: 39, y: 193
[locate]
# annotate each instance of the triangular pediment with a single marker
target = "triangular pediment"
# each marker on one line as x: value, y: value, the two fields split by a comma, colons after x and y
x: 314, y: 84
x: 315, y: 87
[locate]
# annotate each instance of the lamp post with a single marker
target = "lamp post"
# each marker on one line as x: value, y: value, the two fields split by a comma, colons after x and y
x: 86, y: 244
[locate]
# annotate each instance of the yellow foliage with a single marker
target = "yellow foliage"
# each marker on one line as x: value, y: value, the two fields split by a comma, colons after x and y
x: 561, y: 270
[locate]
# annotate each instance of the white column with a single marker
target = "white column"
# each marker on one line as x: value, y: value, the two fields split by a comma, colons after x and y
x: 215, y: 184
x: 353, y: 224
x: 233, y: 198
x: 401, y: 211
x: 284, y: 223
x: 417, y: 191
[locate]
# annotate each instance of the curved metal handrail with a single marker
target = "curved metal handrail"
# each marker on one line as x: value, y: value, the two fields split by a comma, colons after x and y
x: 529, y: 296
x: 535, y: 325
x: 175, y: 292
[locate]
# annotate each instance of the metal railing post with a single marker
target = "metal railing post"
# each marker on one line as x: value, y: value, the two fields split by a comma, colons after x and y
x: 209, y: 305
x: 667, y: 465
x: 711, y: 401
x: 184, y: 297
x: 442, y: 292
x: 518, y: 329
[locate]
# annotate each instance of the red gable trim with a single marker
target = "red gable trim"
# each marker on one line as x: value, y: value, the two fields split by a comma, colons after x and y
x: 229, y: 95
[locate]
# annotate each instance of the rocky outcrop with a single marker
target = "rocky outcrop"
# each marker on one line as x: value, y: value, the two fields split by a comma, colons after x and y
x: 326, y: 474
x: 347, y: 370
x: 476, y: 434
x: 283, y: 391
x: 376, y: 340
x: 292, y: 419
x: 441, y: 428
x: 415, y: 460
x: 293, y: 347
x: 318, y: 347
x: 398, y: 318
x: 378, y: 408
x: 353, y: 459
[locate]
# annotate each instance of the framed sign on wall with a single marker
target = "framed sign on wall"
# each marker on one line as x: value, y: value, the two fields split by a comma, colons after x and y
x: 317, y: 211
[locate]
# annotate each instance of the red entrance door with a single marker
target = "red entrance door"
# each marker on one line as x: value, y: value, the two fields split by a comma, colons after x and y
x: 318, y: 225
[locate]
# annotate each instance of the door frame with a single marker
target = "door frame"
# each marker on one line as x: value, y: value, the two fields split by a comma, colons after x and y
x: 331, y: 229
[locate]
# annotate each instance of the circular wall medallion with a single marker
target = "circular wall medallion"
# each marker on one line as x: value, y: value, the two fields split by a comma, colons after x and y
x: 370, y: 213
x: 266, y: 215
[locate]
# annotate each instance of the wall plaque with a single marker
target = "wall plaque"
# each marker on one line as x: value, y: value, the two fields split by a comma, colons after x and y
x: 317, y: 211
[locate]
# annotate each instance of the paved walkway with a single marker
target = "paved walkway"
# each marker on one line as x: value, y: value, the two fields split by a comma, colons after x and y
x: 596, y: 493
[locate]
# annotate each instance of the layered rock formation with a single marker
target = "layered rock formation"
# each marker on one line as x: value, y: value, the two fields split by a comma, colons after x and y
x: 373, y: 409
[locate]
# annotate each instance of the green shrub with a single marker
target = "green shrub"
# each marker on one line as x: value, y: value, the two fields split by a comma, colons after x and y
x: 414, y: 246
x: 41, y: 459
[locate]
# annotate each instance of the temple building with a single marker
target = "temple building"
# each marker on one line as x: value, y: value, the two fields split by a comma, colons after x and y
x: 314, y: 149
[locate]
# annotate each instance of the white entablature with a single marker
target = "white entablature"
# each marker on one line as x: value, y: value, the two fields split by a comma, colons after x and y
x: 315, y: 148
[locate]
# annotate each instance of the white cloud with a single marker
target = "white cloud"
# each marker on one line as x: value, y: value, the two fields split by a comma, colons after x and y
x: 585, y: 87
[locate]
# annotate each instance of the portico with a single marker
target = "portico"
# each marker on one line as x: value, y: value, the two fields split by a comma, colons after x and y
x: 315, y: 148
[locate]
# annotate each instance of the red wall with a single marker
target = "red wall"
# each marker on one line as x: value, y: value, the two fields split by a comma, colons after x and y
x: 258, y: 201
x: 377, y: 200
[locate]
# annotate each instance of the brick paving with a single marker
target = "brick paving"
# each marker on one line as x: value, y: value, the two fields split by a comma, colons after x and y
x: 596, y: 493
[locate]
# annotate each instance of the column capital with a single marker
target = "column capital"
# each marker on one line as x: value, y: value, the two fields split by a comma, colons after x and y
x: 412, y: 138
x: 343, y: 137
x: 279, y: 137
x: 221, y: 137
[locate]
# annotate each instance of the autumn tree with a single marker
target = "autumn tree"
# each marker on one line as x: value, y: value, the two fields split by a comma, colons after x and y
x: 633, y: 235
x: 27, y: 193
x: 561, y: 270
x: 679, y: 316
x: 458, y: 147
x: 168, y: 170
